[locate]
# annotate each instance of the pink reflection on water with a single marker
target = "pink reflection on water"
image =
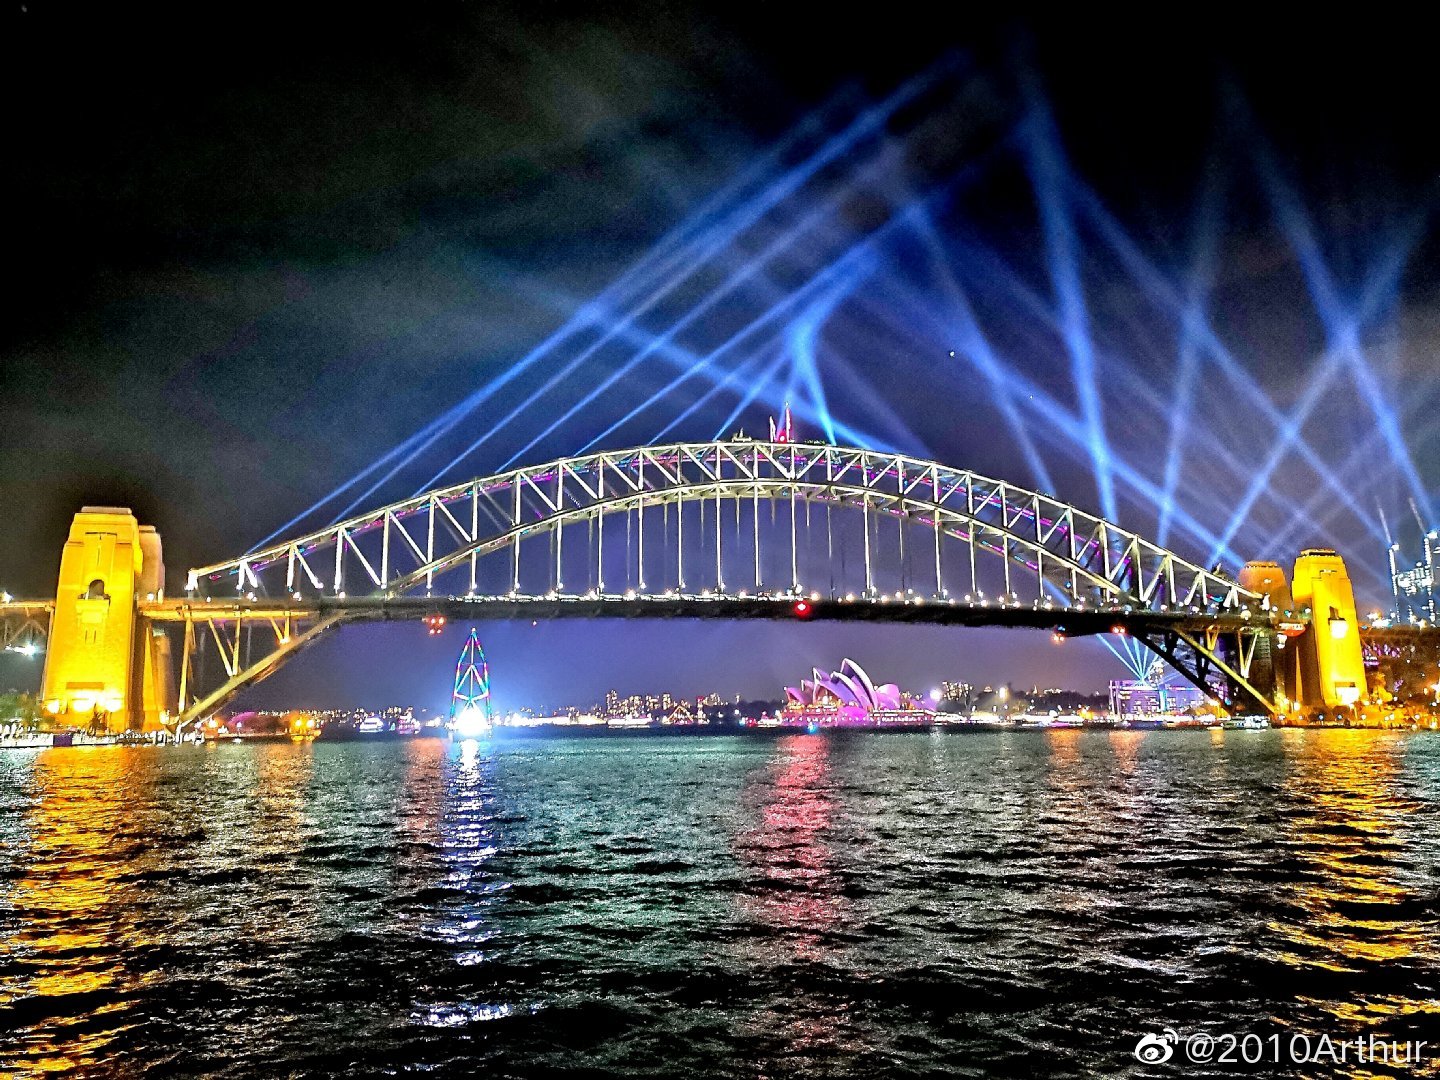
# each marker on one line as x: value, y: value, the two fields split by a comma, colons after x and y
x: 797, y: 891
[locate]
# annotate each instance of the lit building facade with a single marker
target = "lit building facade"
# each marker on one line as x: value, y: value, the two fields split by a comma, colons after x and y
x: 1414, y: 588
x: 1130, y: 697
x: 849, y: 698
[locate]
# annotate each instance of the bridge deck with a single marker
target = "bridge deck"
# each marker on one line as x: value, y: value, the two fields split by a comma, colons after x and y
x: 1072, y: 621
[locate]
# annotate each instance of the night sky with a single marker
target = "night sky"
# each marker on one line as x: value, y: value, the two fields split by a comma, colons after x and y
x: 1181, y: 275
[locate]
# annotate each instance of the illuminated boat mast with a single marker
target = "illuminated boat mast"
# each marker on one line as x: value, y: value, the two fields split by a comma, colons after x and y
x: 470, y: 703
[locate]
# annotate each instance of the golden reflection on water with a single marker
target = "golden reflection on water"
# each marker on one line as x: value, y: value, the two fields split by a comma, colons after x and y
x: 283, y: 773
x: 1064, y: 746
x: 1125, y: 746
x: 1348, y: 820
x: 72, y: 925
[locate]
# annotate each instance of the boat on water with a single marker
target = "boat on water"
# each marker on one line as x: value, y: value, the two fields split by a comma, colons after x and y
x: 40, y: 740
x: 1254, y: 722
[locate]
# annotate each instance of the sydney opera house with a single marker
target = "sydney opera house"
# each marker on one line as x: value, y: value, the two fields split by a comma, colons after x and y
x: 849, y: 698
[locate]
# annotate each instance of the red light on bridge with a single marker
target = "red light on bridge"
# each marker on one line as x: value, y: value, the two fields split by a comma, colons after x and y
x: 802, y: 609
x: 1118, y: 629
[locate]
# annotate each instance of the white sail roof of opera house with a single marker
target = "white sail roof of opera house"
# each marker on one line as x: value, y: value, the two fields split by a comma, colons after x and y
x: 848, y: 686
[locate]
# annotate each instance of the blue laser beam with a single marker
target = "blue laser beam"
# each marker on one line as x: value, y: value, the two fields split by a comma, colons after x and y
x: 1047, y: 172
x: 1159, y: 288
x: 869, y: 124
x: 972, y: 342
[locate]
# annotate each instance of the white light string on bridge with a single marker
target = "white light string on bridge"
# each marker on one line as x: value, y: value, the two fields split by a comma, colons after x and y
x: 406, y: 546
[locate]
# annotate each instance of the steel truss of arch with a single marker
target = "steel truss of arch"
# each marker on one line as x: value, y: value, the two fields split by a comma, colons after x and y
x: 1069, y: 562
x: 24, y: 625
x: 1212, y: 654
x: 1080, y: 557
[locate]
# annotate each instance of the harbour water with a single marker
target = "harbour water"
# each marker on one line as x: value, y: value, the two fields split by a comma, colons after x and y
x: 1023, y: 904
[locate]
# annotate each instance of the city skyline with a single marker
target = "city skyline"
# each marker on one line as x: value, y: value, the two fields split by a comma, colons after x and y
x: 679, y: 665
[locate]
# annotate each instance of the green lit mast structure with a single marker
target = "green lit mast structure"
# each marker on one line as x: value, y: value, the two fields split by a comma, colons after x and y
x: 472, y: 682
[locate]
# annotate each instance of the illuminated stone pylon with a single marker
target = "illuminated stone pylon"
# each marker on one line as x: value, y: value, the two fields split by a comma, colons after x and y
x: 1330, y: 667
x: 106, y: 668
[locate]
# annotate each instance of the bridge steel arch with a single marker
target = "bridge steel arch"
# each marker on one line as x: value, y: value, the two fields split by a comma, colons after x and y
x: 989, y: 551
x: 1067, y: 543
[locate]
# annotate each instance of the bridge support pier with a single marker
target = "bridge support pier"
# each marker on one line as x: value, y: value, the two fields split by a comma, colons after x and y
x: 1235, y: 659
x: 107, y: 669
x: 1329, y: 664
x: 1323, y: 666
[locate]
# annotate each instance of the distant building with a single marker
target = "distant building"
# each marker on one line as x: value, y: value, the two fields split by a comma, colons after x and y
x: 848, y: 697
x: 960, y: 692
x: 1129, y: 697
x: 1414, y: 588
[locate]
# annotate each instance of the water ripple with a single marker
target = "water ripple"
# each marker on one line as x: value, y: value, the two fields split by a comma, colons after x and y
x: 1022, y: 904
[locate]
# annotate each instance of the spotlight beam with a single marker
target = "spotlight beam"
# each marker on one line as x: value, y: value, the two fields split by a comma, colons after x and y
x: 717, y: 389
x: 1315, y: 510
x: 751, y: 393
x: 694, y: 366
x: 1047, y: 173
x: 717, y: 238
x: 804, y: 338
x: 1146, y: 274
x: 848, y: 263
x: 1344, y: 351
x: 744, y: 274
x: 643, y: 269
x: 1342, y: 328
x: 995, y: 270
x: 976, y: 346
x: 1202, y: 277
x: 655, y: 265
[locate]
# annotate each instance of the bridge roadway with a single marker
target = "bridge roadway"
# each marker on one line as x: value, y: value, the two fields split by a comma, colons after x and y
x: 1073, y: 622
x: 1188, y: 639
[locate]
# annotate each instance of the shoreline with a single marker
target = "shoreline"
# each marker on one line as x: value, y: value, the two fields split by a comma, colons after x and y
x: 533, y: 735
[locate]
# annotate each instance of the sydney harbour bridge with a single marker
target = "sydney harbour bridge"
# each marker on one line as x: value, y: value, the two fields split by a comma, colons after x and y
x: 735, y: 529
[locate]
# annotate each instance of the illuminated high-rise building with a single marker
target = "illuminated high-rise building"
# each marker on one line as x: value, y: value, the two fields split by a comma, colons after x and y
x: 1414, y: 588
x: 960, y: 692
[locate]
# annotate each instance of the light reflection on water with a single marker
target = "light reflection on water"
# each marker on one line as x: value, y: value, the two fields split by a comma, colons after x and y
x: 1018, y: 904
